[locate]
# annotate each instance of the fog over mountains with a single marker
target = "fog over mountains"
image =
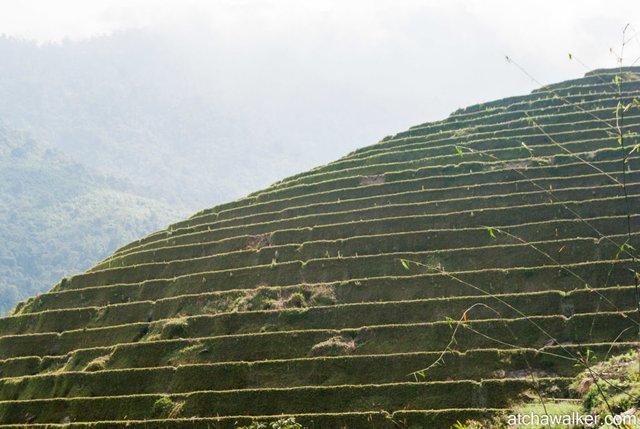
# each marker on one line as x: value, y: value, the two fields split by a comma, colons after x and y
x: 136, y: 106
x: 129, y: 106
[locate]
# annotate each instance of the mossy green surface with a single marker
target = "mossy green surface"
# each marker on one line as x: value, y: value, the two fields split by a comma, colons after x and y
x: 450, y: 272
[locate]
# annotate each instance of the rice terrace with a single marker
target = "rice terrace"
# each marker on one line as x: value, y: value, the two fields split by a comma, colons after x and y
x: 448, y: 273
x: 479, y: 271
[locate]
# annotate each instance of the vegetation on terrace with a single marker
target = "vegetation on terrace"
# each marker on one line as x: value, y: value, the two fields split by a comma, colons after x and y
x: 449, y: 273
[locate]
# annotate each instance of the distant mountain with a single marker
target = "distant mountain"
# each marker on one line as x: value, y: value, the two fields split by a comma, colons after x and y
x: 58, y: 218
x: 134, y: 105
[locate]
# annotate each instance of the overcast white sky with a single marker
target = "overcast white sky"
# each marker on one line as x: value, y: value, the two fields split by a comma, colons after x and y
x: 353, y: 71
x: 369, y: 41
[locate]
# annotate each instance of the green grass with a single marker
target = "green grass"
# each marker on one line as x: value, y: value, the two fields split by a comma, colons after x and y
x: 294, y: 301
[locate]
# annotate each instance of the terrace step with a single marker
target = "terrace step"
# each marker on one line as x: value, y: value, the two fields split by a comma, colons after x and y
x: 429, y: 128
x: 422, y: 194
x: 604, y: 155
x: 478, y: 364
x: 439, y: 210
x: 417, y: 180
x: 519, y: 128
x: 340, y: 316
x: 505, y: 155
x: 409, y: 286
x: 129, y: 346
x: 320, y: 242
x: 516, y: 124
x: 350, y: 420
x: 331, y: 269
x: 296, y: 400
x: 145, y: 311
x: 540, y: 144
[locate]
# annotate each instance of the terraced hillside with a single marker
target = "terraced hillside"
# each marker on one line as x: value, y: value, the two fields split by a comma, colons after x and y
x: 321, y: 296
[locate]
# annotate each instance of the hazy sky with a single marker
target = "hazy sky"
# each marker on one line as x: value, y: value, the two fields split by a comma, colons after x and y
x: 397, y: 49
x: 341, y: 74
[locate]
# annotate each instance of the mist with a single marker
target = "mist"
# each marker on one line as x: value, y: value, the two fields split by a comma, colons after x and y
x: 197, y: 103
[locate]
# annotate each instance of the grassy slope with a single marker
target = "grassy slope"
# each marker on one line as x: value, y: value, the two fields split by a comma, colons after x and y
x: 294, y: 300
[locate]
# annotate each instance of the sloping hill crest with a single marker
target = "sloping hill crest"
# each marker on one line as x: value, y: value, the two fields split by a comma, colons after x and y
x: 445, y: 273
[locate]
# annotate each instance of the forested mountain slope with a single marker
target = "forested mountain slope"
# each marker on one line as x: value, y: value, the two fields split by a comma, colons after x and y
x: 57, y: 218
x: 175, y: 122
